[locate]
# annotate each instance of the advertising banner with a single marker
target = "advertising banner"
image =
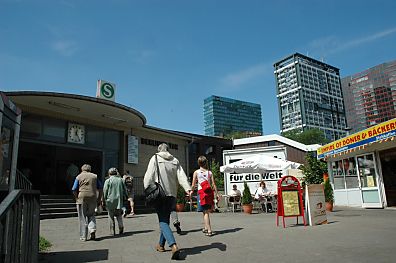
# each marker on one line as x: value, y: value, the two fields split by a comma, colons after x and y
x: 253, y: 180
x: 376, y: 133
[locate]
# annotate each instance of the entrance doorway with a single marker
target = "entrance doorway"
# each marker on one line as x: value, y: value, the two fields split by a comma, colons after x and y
x: 51, y: 168
x: 388, y: 165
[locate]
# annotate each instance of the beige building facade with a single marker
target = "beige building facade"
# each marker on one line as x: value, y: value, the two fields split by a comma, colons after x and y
x: 60, y: 132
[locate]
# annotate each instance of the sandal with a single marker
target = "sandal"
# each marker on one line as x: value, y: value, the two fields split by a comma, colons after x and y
x: 159, y: 248
x: 209, y: 234
x: 204, y: 231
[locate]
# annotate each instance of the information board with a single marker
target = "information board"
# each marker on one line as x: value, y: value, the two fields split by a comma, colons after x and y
x: 133, y: 149
x: 289, y: 199
x: 291, y: 205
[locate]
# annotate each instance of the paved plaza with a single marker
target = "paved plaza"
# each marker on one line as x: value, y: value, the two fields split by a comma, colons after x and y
x: 352, y: 235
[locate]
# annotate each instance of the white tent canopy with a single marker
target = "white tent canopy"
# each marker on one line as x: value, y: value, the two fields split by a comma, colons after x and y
x: 258, y: 164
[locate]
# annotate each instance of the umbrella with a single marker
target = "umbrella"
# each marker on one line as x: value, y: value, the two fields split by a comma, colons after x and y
x: 257, y: 163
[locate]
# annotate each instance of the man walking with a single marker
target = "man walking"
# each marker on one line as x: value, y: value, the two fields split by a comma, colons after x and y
x: 84, y: 190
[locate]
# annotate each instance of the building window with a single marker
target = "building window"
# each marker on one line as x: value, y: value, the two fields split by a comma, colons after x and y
x: 271, y: 143
x: 345, y: 174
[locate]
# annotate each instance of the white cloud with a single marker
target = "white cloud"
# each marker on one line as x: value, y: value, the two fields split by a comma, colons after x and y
x: 239, y: 78
x: 65, y: 47
x: 142, y: 56
x: 367, y: 39
x: 332, y: 44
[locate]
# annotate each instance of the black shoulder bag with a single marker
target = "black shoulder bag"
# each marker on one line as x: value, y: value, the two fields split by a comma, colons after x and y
x: 154, y: 192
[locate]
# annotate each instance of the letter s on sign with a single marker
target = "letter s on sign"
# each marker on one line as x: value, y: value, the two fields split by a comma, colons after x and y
x: 107, y: 90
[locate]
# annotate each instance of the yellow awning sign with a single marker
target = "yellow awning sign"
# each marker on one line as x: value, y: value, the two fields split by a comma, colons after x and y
x: 370, y: 135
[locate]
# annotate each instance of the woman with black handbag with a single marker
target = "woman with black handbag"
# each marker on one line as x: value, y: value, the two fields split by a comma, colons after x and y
x: 161, y: 179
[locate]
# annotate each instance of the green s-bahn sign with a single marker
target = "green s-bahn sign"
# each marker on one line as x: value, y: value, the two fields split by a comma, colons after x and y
x: 106, y: 90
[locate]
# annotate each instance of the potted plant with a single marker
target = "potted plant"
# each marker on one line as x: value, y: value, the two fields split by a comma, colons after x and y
x: 180, y: 199
x: 329, y: 196
x: 247, y: 199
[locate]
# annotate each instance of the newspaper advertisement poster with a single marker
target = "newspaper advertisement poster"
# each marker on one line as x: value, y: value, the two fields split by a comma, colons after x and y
x: 315, y: 204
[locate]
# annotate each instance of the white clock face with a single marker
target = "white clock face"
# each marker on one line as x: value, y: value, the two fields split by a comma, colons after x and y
x: 76, y: 133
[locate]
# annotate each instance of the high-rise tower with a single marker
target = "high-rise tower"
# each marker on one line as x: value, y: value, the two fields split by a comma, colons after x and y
x: 370, y: 96
x: 224, y: 116
x: 309, y: 96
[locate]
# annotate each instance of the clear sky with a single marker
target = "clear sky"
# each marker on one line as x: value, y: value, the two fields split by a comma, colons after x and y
x: 166, y: 57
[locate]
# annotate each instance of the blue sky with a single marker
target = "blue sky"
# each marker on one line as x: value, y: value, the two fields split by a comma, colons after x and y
x: 166, y: 57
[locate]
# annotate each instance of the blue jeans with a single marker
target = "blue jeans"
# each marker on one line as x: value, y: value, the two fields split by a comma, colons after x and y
x: 163, y: 212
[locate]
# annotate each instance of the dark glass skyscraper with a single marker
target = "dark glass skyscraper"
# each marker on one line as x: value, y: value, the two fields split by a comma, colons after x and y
x: 310, y: 96
x: 224, y: 116
x: 370, y: 96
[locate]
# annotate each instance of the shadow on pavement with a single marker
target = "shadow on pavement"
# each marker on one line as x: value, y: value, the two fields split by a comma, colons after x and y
x: 219, y: 232
x: 199, y: 249
x: 225, y: 231
x: 74, y: 256
x: 125, y: 234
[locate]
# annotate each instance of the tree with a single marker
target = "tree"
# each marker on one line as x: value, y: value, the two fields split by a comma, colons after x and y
x: 292, y: 134
x: 314, y: 169
x: 246, y: 195
x: 310, y: 136
x: 218, y: 177
x: 236, y: 135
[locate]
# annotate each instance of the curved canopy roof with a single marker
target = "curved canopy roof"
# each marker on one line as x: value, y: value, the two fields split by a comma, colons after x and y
x: 80, y: 107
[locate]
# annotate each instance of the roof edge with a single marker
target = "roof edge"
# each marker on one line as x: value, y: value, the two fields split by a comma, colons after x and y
x: 78, y: 97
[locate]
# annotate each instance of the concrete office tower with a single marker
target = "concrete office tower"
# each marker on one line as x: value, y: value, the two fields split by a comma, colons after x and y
x: 370, y: 96
x: 223, y: 116
x: 309, y: 96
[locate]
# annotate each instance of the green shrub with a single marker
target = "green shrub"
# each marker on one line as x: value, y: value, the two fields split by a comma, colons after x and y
x: 218, y: 177
x: 44, y: 244
x: 328, y: 191
x: 314, y: 169
x: 181, y: 195
x: 246, y: 196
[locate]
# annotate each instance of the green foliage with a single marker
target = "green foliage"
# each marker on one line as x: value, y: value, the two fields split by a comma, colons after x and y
x: 44, y: 244
x: 181, y: 195
x: 246, y: 195
x: 292, y: 134
x: 311, y: 136
x: 218, y: 177
x: 314, y: 169
x: 328, y: 191
x: 236, y: 135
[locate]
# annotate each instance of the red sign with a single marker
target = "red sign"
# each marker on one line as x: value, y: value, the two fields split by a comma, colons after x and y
x: 290, y: 202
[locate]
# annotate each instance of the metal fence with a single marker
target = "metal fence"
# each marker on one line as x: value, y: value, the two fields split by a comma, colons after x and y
x: 19, y: 227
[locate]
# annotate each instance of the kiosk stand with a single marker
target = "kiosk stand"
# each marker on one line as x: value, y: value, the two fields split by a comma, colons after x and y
x: 290, y: 202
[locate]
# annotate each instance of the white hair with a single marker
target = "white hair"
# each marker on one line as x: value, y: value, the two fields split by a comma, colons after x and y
x: 86, y: 168
x: 163, y: 147
x: 113, y: 171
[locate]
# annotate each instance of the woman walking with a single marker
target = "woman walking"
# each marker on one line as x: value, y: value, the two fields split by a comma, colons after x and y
x: 167, y: 168
x: 205, y: 198
x: 114, y: 193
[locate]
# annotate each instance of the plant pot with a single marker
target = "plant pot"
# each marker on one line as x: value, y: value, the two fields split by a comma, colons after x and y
x: 329, y: 206
x: 180, y: 207
x: 247, y: 208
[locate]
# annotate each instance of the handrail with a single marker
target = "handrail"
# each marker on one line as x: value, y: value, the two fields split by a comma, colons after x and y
x: 22, y: 182
x: 19, y: 226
